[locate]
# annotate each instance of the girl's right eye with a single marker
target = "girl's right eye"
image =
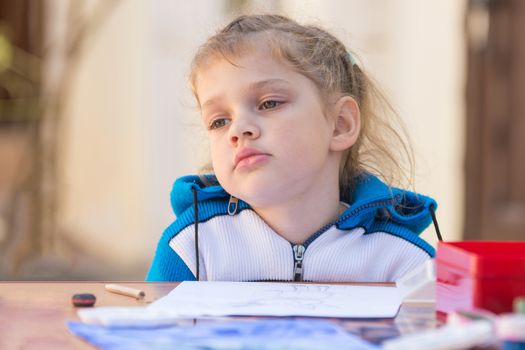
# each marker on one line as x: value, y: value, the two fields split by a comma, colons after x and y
x: 218, y: 123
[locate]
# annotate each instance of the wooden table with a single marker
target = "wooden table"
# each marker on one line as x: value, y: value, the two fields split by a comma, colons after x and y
x: 33, y: 315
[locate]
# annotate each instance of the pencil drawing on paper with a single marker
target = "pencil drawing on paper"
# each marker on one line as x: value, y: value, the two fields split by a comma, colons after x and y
x: 216, y: 298
x: 299, y: 296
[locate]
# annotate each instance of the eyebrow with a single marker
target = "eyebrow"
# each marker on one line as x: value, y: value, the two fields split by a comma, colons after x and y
x: 253, y: 87
x: 269, y: 82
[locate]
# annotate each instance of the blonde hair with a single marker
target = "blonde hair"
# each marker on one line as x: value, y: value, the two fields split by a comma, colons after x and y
x: 380, y: 148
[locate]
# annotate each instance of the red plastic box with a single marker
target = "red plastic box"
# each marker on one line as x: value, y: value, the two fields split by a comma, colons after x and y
x: 479, y: 274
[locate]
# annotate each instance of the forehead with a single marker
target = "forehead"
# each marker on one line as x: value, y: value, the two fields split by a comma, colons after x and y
x: 244, y: 71
x: 247, y: 64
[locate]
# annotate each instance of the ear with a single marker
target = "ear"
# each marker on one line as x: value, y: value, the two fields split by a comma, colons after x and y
x: 347, y: 124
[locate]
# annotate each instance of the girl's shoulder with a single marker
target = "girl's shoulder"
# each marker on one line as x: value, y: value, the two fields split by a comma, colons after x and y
x: 386, y: 203
x: 377, y: 207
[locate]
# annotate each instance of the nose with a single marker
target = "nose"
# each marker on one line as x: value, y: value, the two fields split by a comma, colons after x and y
x: 244, y: 127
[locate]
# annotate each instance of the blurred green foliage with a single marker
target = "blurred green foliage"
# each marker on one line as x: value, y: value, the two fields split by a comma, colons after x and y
x: 19, y: 92
x: 6, y: 53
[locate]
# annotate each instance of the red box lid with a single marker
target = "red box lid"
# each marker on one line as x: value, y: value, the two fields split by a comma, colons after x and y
x: 484, y: 259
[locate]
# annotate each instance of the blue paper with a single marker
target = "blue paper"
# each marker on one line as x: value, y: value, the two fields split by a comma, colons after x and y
x: 262, y: 334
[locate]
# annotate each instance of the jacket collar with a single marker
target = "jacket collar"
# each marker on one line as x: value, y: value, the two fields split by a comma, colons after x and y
x: 373, y: 202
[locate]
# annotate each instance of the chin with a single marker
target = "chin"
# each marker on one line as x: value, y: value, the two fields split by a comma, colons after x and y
x: 257, y: 188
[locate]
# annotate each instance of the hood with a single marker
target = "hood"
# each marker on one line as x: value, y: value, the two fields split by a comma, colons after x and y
x: 374, y: 202
x: 182, y: 192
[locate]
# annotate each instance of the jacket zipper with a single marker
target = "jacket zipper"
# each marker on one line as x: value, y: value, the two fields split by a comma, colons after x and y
x: 298, y: 255
x: 299, y: 249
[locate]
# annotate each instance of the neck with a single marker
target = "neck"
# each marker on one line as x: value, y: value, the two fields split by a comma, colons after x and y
x: 298, y: 219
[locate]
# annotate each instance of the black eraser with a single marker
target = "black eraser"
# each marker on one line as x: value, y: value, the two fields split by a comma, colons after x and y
x: 83, y: 299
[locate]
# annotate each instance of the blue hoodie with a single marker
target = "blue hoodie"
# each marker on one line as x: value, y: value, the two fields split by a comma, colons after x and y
x: 375, y: 207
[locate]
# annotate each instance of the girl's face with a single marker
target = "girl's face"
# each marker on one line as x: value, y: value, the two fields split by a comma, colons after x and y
x: 269, y: 135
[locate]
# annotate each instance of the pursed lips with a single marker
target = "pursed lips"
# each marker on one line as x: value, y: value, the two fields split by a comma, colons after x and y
x: 247, y: 153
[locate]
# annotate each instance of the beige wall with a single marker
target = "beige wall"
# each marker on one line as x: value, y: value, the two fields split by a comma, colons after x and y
x: 103, y: 193
x: 428, y: 84
x: 133, y: 128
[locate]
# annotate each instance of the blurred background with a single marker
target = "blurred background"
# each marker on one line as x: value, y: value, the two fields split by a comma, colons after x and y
x: 97, y: 118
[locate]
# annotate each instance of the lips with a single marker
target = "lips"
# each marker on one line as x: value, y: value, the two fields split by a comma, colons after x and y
x: 248, y: 157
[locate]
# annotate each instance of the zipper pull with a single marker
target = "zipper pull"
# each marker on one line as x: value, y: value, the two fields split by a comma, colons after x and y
x: 232, y: 205
x: 298, y: 254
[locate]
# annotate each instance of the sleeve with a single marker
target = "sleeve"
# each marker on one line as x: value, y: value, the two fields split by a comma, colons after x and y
x: 167, y: 266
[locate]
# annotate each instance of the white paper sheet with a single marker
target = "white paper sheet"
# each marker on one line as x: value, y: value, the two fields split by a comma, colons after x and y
x: 215, y: 299
x: 202, y: 299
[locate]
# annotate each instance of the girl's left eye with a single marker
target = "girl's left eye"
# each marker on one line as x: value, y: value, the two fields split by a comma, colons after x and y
x: 269, y: 104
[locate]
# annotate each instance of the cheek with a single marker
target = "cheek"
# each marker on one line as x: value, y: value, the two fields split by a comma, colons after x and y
x: 306, y: 152
x: 219, y: 158
x: 307, y: 139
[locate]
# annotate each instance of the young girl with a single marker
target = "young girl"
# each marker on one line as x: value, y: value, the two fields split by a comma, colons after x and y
x: 294, y: 141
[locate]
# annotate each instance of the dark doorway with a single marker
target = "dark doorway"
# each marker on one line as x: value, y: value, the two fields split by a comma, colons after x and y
x: 495, y: 159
